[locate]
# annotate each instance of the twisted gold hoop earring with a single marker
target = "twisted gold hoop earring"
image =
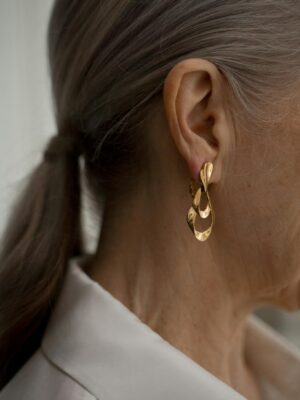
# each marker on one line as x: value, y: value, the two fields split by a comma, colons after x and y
x: 205, y: 175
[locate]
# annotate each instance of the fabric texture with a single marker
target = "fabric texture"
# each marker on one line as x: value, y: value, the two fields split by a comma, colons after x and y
x: 94, y: 347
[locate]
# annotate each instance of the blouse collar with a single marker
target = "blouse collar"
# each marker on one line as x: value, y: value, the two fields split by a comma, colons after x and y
x: 104, y: 346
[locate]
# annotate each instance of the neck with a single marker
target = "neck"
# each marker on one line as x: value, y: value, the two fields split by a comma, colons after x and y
x: 151, y: 262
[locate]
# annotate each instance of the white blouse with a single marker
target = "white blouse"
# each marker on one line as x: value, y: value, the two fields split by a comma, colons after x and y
x: 94, y: 347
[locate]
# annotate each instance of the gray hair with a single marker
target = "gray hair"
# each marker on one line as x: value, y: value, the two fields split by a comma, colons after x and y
x: 107, y: 65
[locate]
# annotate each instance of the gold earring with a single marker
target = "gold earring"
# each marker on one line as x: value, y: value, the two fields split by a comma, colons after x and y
x: 205, y: 175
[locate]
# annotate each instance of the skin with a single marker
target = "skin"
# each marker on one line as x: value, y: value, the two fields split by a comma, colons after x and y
x: 198, y: 295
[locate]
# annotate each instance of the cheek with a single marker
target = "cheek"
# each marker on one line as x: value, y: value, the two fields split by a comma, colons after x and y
x: 275, y: 210
x: 264, y: 217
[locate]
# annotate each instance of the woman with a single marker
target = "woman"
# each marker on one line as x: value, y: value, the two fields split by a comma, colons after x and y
x: 186, y: 116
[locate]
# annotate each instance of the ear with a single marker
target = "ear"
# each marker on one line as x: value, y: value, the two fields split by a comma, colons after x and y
x: 195, y: 106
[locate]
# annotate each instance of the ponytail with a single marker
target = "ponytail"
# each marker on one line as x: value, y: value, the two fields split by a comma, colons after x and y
x: 43, y: 232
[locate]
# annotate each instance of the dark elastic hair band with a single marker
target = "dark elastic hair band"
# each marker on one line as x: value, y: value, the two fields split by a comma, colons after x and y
x: 61, y: 145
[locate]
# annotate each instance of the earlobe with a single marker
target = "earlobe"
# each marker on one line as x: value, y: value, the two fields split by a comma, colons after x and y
x: 194, y: 109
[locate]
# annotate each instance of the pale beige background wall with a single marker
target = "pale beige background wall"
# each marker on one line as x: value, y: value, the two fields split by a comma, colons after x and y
x: 25, y: 111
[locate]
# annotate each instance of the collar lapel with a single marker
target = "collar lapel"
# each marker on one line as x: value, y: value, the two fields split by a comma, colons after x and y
x: 105, y: 347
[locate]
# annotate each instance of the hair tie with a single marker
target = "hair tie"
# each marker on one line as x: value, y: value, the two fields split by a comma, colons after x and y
x: 60, y: 145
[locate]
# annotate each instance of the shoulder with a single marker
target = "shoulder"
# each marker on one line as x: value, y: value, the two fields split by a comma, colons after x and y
x: 39, y: 379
